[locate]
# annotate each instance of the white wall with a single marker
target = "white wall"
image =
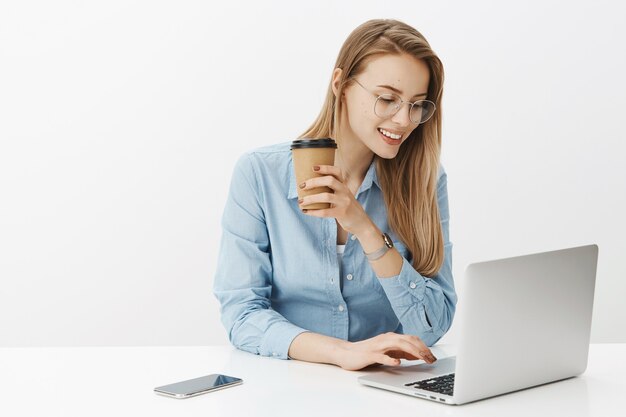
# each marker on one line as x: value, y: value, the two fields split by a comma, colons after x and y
x: 120, y: 123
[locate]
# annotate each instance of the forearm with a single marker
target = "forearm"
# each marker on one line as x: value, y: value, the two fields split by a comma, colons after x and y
x: 315, y: 347
x: 390, y: 263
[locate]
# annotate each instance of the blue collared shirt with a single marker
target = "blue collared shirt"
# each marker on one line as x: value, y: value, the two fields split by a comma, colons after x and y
x: 278, y: 273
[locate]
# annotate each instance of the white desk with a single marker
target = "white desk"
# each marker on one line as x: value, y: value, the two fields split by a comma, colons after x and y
x: 114, y: 381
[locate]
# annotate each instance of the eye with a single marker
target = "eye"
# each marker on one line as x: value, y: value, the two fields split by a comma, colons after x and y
x: 390, y: 99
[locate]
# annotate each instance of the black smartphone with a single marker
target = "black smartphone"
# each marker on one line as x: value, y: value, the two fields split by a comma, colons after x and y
x: 197, y: 386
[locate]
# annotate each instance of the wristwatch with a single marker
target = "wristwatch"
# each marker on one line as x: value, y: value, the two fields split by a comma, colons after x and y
x: 380, y: 252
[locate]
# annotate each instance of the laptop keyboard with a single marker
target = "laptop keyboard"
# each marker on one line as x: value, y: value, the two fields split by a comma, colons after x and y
x: 442, y: 384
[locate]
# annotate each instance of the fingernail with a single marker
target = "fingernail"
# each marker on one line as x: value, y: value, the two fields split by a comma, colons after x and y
x: 304, y: 210
x: 316, y: 168
x: 300, y: 201
x: 303, y: 185
x: 428, y: 357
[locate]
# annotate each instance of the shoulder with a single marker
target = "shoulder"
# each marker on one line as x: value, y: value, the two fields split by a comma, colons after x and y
x: 274, y: 153
x: 270, y: 150
x: 268, y: 169
x: 261, y: 159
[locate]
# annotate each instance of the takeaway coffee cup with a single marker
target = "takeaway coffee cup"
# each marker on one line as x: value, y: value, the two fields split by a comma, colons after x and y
x: 305, y: 154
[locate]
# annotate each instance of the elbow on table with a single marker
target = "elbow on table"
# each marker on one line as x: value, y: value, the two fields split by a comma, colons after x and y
x: 238, y: 337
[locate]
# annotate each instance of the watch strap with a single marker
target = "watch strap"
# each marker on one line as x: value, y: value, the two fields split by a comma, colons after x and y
x: 377, y: 254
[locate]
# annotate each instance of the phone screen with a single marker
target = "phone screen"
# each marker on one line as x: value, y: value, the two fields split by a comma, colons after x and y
x: 198, y: 385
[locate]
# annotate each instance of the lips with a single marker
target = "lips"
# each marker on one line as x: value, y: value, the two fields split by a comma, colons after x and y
x: 391, y: 131
x: 389, y: 141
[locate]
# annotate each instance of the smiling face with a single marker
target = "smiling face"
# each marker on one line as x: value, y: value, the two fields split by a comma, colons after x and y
x: 359, y: 124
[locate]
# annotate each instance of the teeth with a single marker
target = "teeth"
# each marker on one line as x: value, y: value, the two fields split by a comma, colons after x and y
x: 389, y: 134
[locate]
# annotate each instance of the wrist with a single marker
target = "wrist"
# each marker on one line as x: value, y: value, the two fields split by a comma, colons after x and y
x: 371, y: 240
x: 314, y: 347
x: 341, y: 351
x: 368, y: 231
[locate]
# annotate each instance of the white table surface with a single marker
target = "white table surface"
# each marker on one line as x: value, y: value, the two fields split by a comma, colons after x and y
x: 114, y: 381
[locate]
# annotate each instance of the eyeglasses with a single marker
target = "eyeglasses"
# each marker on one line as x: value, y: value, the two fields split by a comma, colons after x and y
x: 387, y: 105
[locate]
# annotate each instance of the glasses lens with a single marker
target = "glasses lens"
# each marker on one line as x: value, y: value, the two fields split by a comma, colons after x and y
x: 386, y: 105
x: 421, y: 111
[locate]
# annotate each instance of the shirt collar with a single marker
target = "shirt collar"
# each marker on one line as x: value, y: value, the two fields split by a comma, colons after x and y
x: 370, y: 177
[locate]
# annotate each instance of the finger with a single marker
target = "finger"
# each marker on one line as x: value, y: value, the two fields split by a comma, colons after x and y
x: 319, y: 212
x: 317, y: 198
x: 386, y: 360
x: 403, y: 343
x: 423, y: 352
x: 330, y: 170
x: 325, y: 181
x: 414, y: 350
x: 398, y: 354
x: 421, y: 346
x: 415, y: 341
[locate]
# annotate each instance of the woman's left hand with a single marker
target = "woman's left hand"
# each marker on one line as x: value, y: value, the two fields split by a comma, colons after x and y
x: 344, y: 207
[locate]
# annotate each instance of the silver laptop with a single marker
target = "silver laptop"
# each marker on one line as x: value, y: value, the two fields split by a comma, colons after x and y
x: 523, y: 321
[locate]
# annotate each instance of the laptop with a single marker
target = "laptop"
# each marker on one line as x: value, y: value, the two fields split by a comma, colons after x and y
x: 523, y: 322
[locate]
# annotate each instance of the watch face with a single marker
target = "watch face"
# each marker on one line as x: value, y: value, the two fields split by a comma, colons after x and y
x: 388, y: 240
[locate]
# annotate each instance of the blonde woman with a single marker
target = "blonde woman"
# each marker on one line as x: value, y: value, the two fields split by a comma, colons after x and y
x: 369, y: 280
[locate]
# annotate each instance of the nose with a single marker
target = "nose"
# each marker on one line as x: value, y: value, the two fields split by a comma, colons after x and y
x: 402, y: 117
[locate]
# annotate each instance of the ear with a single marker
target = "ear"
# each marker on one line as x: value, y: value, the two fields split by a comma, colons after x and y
x: 335, y: 82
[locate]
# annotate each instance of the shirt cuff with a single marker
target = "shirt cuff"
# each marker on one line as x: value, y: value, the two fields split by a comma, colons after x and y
x: 278, y: 338
x: 405, y: 288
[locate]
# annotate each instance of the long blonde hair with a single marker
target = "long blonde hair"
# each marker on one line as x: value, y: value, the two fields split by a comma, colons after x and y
x: 408, y: 181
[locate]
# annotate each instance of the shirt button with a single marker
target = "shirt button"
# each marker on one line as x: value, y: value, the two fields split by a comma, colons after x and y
x: 341, y: 308
x: 352, y: 237
x: 412, y: 285
x: 349, y: 277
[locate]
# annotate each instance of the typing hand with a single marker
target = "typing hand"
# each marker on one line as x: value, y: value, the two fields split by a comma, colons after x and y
x: 386, y: 349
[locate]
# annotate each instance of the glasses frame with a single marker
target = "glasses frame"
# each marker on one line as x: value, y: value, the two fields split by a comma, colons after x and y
x: 402, y: 102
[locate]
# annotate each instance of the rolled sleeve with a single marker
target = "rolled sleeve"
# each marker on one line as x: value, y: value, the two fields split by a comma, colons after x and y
x: 406, y: 288
x: 278, y: 339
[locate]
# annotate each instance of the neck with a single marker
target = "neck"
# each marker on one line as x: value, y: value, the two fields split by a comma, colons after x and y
x: 354, y: 159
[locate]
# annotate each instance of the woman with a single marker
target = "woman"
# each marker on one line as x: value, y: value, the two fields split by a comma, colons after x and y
x: 323, y: 285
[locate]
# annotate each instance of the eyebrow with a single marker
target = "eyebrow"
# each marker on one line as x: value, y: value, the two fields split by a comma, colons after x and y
x: 395, y: 90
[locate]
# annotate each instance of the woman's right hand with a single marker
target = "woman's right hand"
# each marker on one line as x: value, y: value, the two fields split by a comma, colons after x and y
x: 385, y: 349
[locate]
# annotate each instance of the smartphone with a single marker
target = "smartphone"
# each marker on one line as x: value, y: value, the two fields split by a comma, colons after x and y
x: 197, y: 386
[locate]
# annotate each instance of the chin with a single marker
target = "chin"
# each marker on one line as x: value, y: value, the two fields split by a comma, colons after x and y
x: 385, y: 151
x: 382, y: 149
